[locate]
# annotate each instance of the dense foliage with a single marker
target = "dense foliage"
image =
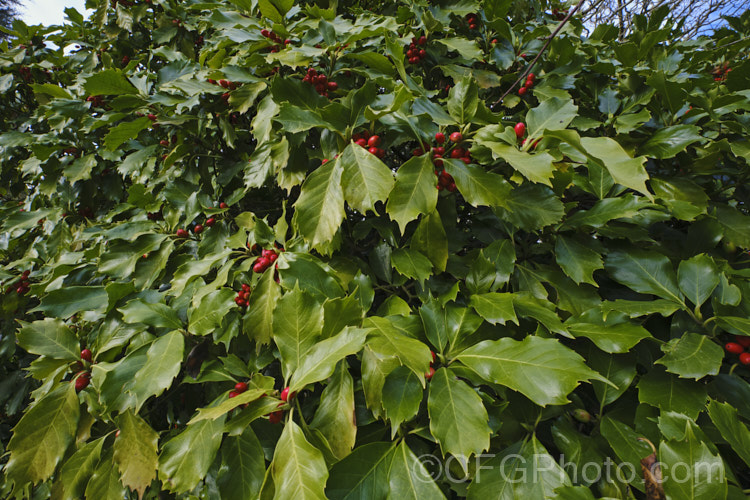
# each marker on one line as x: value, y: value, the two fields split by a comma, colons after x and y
x: 257, y: 249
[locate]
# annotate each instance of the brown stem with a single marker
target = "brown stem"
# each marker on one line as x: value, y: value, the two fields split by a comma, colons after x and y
x: 549, y: 40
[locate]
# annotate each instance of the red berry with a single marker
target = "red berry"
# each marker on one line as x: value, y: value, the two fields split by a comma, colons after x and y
x: 520, y: 129
x: 434, y: 357
x: 82, y: 381
x: 457, y: 153
x: 734, y: 348
x: 440, y: 138
x: 210, y: 222
x: 240, y: 387
x: 531, y: 76
x: 361, y: 142
x: 745, y: 358
x: 233, y: 394
x: 373, y: 151
x: 265, y: 32
x: 181, y: 233
x: 373, y: 141
x: 429, y: 373
x: 223, y: 205
x: 456, y: 137
x: 276, y: 417
x: 27, y: 272
x: 86, y: 355
x: 152, y: 117
x: 422, y: 40
x: 333, y: 86
x: 522, y: 91
x: 258, y: 267
x: 285, y: 396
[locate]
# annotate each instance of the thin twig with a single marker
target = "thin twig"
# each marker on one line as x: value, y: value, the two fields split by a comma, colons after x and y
x: 549, y: 40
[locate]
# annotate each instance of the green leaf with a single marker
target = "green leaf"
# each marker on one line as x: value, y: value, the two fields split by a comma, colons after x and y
x: 335, y: 417
x: 260, y: 307
x: 124, y: 132
x: 626, y: 445
x: 402, y: 395
x: 543, y: 370
x: 319, y: 210
x: 229, y: 404
x: 736, y: 225
x: 186, y: 458
x: 387, y: 340
x: 415, y: 191
x: 532, y: 207
x: 691, y: 471
x: 78, y: 469
x: 297, y: 324
x: 670, y: 393
x: 577, y: 260
x: 162, y: 365
x: 698, y: 277
x: 645, y: 272
x: 362, y: 474
x: 476, y: 185
x: 298, y: 468
x: 67, y: 301
x: 366, y: 179
x: 42, y: 436
x: 494, y: 307
x: 135, y: 452
x: 535, y: 167
x: 692, y: 356
x: 606, y: 210
x: 667, y: 142
x: 108, y: 82
x: 430, y: 239
x: 105, y: 482
x: 552, y: 114
x: 295, y: 119
x: 734, y: 432
x: 412, y: 264
x: 206, y: 316
x: 458, y: 419
x: 81, y: 168
x: 320, y: 360
x: 49, y: 337
x: 463, y: 99
x: 243, y: 466
x: 157, y: 314
x: 466, y: 48
x: 618, y: 369
x: 409, y: 479
x: 613, y: 335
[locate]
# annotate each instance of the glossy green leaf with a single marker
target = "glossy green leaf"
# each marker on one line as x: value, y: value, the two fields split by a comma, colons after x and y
x: 415, y: 191
x: 366, y: 179
x: 49, y: 337
x: 335, y: 417
x: 320, y: 359
x: 298, y: 468
x: 135, y: 452
x: 692, y: 356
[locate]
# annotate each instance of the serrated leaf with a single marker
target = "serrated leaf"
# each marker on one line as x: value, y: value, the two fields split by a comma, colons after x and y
x: 411, y: 264
x: 42, y: 436
x: 692, y: 356
x: 734, y: 432
x: 415, y: 191
x: 478, y: 186
x: 298, y: 468
x: 402, y: 395
x: 319, y: 211
x: 260, y: 307
x: 207, y: 315
x: 362, y: 474
x: 366, y: 179
x: 108, y: 82
x: 185, y: 458
x: 105, y: 481
x: 229, y: 404
x: 297, y: 324
x: 409, y: 479
x: 577, y: 260
x: 535, y: 167
x: 67, y: 301
x: 124, y: 132
x: 670, y: 393
x: 243, y: 466
x: 157, y: 314
x: 645, y: 272
x: 543, y: 370
x: 431, y: 239
x: 494, y: 307
x: 458, y: 419
x: 49, y: 337
x: 320, y: 359
x: 335, y: 417
x: 463, y: 99
x: 551, y: 114
x: 78, y: 469
x: 669, y: 141
x: 135, y: 452
x: 163, y: 363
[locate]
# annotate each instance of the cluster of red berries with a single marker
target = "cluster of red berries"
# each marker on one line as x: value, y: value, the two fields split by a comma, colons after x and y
x: 369, y: 142
x: 22, y: 287
x: 267, y: 257
x: 413, y: 53
x: 72, y: 152
x: 473, y: 21
x: 83, y: 377
x: 445, y: 180
x: 25, y: 72
x: 530, y: 78
x: 224, y: 83
x: 280, y: 44
x: 243, y: 296
x: 720, y: 72
x: 431, y: 371
x: 96, y: 101
x: 559, y: 14
x: 520, y: 130
x: 739, y: 346
x: 320, y: 82
x: 239, y: 388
